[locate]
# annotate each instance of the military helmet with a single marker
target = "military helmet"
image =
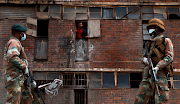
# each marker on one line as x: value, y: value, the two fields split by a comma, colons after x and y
x: 156, y: 22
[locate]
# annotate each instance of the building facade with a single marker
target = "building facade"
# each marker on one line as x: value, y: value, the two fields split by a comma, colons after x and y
x: 105, y: 68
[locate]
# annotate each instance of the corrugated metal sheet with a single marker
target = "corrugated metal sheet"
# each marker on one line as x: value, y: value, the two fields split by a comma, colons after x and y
x: 16, y: 12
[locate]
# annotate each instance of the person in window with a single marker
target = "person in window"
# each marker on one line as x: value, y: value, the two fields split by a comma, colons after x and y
x: 161, y: 50
x: 15, y: 68
x: 81, y: 32
x: 81, y: 43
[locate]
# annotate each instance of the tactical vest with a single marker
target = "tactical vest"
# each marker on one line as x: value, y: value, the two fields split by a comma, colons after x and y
x: 158, y: 53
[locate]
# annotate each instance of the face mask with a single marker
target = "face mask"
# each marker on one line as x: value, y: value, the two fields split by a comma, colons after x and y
x: 151, y: 31
x: 24, y: 37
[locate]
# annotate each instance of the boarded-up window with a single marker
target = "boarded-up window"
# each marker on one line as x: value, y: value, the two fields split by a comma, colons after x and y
x: 48, y: 11
x: 94, y: 12
x: 94, y: 28
x: 31, y: 26
x: 108, y: 80
x: 95, y: 80
x: 45, y: 77
x: 135, y: 79
x: 107, y: 13
x: 41, y: 40
x: 123, y: 80
x: 133, y: 12
x: 173, y: 13
x: 120, y: 12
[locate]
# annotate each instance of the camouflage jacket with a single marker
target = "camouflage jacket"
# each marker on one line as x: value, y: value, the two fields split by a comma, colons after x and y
x: 14, y: 62
x: 169, y: 53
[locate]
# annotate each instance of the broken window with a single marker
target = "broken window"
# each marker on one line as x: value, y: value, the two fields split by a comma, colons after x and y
x: 41, y: 40
x: 123, y: 80
x: 173, y: 13
x: 147, y: 13
x: 107, y: 13
x: 108, y: 80
x: 120, y: 12
x: 135, y: 79
x: 74, y: 80
x: 45, y: 77
x: 48, y: 11
x: 160, y: 13
x: 95, y: 80
x: 81, y: 41
x: 94, y: 12
x: 133, y: 12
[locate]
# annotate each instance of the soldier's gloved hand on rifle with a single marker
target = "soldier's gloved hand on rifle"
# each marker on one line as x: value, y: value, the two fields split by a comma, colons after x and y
x: 155, y: 70
x: 26, y: 72
x: 145, y: 61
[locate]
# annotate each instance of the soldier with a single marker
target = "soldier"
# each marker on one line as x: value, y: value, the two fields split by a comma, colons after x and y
x: 161, y: 50
x: 15, y: 68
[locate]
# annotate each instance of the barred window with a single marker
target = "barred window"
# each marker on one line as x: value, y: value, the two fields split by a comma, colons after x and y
x: 74, y: 80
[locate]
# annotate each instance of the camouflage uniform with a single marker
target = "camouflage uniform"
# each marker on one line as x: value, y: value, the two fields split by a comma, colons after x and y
x: 146, y: 87
x: 15, y: 62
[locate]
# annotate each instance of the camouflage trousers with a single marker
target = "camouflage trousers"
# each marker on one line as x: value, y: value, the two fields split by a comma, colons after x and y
x: 146, y: 89
x: 17, y: 93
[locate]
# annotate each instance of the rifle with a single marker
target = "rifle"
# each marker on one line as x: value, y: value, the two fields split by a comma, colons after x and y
x: 153, y: 76
x: 30, y: 83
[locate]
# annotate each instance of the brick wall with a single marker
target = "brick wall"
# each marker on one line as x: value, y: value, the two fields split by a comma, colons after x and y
x: 123, y: 96
x: 120, y: 45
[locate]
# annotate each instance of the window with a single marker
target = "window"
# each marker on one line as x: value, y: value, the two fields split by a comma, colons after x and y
x: 81, y: 42
x: 123, y: 80
x: 75, y: 13
x: 108, y: 80
x: 146, y: 35
x: 74, y: 80
x: 107, y: 13
x: 81, y: 13
x: 41, y: 40
x: 45, y: 77
x: 94, y: 12
x: 133, y: 12
x: 176, y: 81
x: 95, y: 80
x: 135, y: 79
x: 120, y: 12
x: 147, y: 13
x: 160, y: 13
x: 173, y: 13
x: 48, y: 11
x: 80, y: 96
